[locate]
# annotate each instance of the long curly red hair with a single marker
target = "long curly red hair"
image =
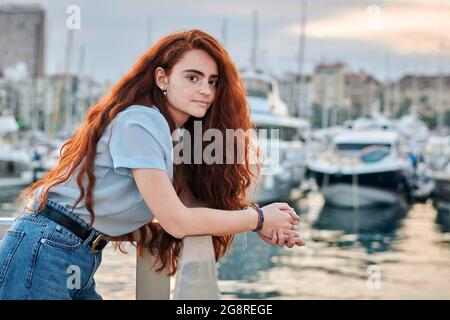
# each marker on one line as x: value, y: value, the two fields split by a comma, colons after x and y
x: 222, y: 186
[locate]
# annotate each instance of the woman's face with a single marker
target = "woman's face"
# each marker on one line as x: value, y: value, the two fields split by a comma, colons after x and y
x: 191, y: 85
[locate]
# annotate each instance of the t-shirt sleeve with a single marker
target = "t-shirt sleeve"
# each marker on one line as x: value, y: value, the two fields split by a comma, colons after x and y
x: 138, y: 141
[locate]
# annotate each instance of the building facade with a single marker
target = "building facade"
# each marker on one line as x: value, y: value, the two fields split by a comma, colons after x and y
x: 22, y: 38
x: 297, y: 92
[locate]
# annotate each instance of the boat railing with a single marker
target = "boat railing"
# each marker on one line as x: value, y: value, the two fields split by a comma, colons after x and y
x: 196, y: 276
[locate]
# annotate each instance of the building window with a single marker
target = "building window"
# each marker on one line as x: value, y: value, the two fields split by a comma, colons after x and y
x: 21, y: 25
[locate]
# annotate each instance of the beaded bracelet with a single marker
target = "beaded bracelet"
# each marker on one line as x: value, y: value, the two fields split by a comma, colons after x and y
x: 260, y: 218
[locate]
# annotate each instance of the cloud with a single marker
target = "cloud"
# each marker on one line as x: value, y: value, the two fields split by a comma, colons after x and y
x: 417, y: 28
x: 114, y: 32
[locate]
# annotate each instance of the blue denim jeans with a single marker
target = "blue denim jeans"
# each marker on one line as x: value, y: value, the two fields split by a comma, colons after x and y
x: 40, y: 259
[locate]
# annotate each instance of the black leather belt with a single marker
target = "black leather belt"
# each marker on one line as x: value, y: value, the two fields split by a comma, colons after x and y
x: 97, y: 243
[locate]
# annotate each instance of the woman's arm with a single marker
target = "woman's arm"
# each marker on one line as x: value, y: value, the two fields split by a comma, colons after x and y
x: 181, y: 221
x: 278, y: 238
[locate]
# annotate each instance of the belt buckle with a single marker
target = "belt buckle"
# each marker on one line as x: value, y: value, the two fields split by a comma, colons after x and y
x: 102, y: 241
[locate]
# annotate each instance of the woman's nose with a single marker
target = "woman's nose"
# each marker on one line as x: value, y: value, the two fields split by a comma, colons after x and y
x: 205, y: 89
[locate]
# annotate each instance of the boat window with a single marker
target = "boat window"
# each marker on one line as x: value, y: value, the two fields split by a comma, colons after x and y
x: 264, y: 132
x: 289, y: 134
x: 284, y: 134
x: 374, y: 154
x: 257, y: 88
x: 358, y: 146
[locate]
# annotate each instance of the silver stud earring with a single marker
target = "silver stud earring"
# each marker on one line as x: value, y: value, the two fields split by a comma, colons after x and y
x: 165, y: 92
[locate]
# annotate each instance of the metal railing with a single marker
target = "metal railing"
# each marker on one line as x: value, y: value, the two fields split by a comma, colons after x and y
x: 196, y: 276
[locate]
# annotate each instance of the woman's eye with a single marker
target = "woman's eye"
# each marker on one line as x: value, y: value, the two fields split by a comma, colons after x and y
x: 214, y: 83
x: 193, y: 78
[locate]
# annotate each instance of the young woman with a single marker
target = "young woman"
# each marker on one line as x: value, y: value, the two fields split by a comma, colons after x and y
x: 116, y: 176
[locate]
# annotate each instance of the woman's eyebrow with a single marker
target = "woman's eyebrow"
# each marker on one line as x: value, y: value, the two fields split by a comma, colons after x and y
x: 200, y: 73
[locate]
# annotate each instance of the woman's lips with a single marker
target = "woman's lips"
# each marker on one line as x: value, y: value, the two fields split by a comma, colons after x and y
x: 203, y: 104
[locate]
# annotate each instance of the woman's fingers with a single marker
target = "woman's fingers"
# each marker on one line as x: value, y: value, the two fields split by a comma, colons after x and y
x: 265, y: 239
x: 291, y: 241
x: 300, y: 242
x: 283, y: 206
x: 290, y: 226
x: 274, y: 239
x: 281, y: 238
x: 294, y: 216
x: 296, y: 238
x: 291, y: 215
x: 288, y: 232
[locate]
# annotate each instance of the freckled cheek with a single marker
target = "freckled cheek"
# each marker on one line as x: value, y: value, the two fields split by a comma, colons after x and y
x: 184, y: 92
x: 180, y: 94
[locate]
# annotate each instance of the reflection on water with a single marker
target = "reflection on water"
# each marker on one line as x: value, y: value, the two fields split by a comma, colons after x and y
x: 406, y: 250
x: 373, y: 228
x: 443, y: 220
x: 380, y: 220
x: 410, y: 251
x: 247, y: 258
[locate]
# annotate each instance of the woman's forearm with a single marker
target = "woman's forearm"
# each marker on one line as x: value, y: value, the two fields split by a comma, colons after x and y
x: 204, y: 220
x: 184, y: 215
x: 216, y: 222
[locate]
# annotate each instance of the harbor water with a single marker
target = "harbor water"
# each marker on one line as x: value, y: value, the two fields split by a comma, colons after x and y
x: 382, y: 253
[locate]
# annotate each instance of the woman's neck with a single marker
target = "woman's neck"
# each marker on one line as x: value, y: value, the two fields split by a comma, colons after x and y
x: 179, y: 117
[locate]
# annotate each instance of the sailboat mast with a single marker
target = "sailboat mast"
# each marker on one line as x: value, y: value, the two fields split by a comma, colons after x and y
x: 225, y: 33
x: 254, y: 40
x: 300, y: 105
x: 68, y: 82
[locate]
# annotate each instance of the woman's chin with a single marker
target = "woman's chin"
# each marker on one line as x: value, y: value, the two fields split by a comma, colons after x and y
x: 198, y: 114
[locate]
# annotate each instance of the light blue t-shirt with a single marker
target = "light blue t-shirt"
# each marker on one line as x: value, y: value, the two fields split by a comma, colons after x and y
x: 138, y: 137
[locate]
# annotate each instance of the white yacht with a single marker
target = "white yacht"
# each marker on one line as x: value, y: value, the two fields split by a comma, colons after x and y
x: 436, y: 152
x: 441, y: 194
x: 362, y: 169
x: 268, y: 112
x: 15, y: 163
x: 436, y: 156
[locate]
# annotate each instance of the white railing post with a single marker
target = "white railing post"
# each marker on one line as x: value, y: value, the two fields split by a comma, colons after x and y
x: 197, y: 270
x: 196, y: 277
x: 150, y: 285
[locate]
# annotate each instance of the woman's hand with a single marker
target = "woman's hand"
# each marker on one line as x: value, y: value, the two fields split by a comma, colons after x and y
x: 281, y: 239
x: 279, y: 216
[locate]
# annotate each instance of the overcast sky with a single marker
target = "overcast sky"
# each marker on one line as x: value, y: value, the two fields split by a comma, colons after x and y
x: 386, y: 38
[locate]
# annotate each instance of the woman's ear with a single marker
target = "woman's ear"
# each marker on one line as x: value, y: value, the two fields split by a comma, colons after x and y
x: 161, y: 78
